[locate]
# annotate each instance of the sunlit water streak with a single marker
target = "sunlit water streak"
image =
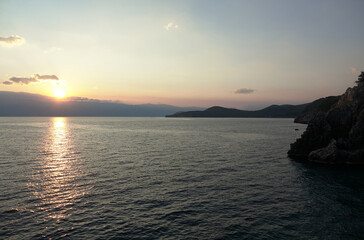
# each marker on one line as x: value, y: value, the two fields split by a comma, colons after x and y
x: 54, y: 183
x: 150, y: 178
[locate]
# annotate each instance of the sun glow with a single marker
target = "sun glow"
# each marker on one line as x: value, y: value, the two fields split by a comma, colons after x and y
x: 59, y: 93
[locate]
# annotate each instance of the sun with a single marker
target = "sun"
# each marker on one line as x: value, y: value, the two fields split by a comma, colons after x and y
x: 59, y: 93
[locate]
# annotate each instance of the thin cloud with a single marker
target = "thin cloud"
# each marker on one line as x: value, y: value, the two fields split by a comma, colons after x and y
x: 33, y: 79
x: 46, y: 77
x: 7, y: 83
x: 23, y: 80
x: 12, y: 40
x: 84, y: 99
x: 244, y: 91
x: 171, y: 26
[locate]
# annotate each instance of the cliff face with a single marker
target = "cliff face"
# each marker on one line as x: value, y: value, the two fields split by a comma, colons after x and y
x: 337, y: 136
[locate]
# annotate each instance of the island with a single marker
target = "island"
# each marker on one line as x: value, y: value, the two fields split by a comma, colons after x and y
x: 302, y: 113
x: 273, y: 111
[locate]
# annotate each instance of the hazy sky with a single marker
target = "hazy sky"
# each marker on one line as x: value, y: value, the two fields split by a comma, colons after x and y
x: 243, y: 54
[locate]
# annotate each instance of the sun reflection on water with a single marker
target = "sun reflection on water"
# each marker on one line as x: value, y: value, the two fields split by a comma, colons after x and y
x: 57, y: 182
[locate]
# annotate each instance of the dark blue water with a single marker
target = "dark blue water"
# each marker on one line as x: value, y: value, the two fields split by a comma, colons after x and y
x: 157, y: 178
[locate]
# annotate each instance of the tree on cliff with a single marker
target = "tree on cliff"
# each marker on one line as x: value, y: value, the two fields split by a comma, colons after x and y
x: 360, y: 78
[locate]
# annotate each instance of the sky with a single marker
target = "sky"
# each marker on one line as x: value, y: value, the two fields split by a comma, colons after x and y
x: 241, y: 54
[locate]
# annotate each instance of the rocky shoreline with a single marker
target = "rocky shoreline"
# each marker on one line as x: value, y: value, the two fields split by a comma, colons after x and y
x: 335, y: 136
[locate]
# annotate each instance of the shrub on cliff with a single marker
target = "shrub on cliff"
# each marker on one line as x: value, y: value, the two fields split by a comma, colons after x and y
x: 360, y: 78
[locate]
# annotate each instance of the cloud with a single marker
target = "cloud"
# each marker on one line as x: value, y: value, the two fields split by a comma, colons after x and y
x: 7, y: 83
x: 46, y: 77
x: 244, y: 91
x: 33, y: 79
x: 22, y: 80
x: 10, y: 41
x: 171, y: 26
x: 84, y: 99
x: 79, y: 99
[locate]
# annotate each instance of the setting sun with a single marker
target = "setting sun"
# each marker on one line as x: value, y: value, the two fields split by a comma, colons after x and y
x: 59, y: 93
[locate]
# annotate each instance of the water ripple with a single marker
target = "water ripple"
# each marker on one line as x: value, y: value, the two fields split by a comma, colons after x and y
x: 140, y: 178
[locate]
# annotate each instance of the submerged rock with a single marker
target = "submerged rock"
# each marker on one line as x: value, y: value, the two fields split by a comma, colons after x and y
x: 335, y: 136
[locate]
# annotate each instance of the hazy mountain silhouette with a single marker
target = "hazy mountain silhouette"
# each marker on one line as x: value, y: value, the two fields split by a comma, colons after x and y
x: 321, y: 105
x: 273, y: 111
x: 27, y: 104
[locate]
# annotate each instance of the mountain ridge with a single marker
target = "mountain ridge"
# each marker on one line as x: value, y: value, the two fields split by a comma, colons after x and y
x: 272, y: 111
x: 29, y: 104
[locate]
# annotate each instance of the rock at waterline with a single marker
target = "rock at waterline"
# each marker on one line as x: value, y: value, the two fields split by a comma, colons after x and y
x: 337, y: 136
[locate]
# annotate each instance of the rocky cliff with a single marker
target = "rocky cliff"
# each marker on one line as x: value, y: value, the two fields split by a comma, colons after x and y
x: 335, y: 136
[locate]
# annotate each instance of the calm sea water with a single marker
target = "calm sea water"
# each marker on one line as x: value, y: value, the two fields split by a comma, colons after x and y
x: 163, y: 178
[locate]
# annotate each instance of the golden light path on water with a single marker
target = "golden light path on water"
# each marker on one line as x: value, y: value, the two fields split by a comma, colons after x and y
x: 56, y: 183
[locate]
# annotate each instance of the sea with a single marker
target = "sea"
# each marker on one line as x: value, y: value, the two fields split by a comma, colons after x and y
x: 169, y: 178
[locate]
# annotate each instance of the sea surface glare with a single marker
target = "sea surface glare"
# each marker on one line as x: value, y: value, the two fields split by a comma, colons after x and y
x: 165, y: 178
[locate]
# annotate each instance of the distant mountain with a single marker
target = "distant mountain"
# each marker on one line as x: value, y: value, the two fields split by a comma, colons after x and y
x: 273, y: 111
x: 27, y: 104
x: 321, y: 105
